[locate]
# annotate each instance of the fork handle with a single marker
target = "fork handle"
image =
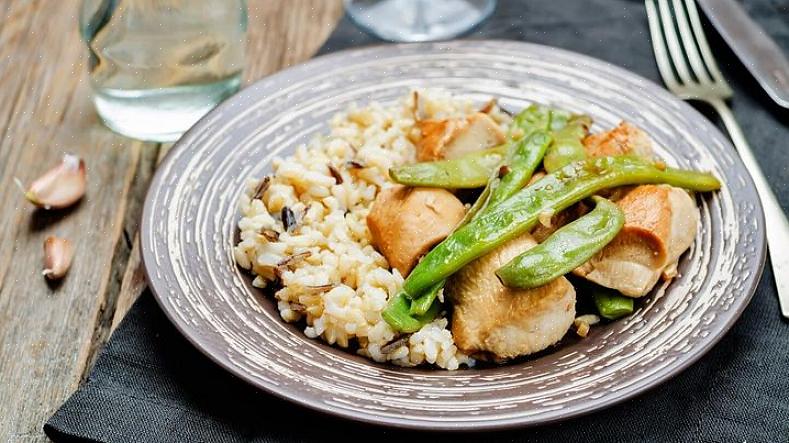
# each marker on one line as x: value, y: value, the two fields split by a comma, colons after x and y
x: 777, y: 226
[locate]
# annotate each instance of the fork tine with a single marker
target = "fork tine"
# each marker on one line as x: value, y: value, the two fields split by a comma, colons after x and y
x: 673, y: 42
x: 689, y: 43
x: 706, y: 53
x: 658, y: 44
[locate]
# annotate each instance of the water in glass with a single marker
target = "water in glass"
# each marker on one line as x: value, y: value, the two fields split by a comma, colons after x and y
x: 157, y: 66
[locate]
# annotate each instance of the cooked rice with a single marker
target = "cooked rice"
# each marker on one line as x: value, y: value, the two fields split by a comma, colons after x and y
x: 336, y: 281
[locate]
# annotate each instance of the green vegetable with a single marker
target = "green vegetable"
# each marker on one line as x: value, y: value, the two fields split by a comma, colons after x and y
x: 567, y: 145
x: 566, y: 249
x: 422, y: 304
x: 518, y: 169
x: 530, y: 119
x: 552, y: 193
x: 559, y: 119
x: 610, y: 304
x: 469, y: 171
x: 398, y: 316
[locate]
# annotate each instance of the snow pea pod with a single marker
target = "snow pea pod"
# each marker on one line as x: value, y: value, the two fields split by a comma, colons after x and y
x: 469, y: 171
x: 530, y: 119
x: 551, y: 194
x: 566, y: 249
x: 567, y: 145
x: 398, y: 316
x: 421, y: 304
x: 610, y: 304
x: 515, y: 173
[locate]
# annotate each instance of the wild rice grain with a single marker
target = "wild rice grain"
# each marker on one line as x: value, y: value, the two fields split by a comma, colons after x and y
x: 395, y: 345
x: 336, y: 174
x: 262, y: 188
x: 270, y: 234
x: 288, y: 218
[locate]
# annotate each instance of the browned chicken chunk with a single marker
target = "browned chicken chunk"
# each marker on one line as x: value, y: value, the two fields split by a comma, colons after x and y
x: 406, y: 222
x: 625, y: 139
x: 660, y: 224
x: 452, y: 138
x: 491, y: 318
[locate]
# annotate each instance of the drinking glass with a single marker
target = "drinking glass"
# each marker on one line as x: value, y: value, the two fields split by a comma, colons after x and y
x: 157, y: 66
x: 418, y: 20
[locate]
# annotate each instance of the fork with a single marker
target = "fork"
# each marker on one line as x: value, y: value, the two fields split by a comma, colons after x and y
x: 695, y: 76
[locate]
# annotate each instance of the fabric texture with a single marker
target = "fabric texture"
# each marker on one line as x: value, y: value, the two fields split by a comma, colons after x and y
x: 150, y: 385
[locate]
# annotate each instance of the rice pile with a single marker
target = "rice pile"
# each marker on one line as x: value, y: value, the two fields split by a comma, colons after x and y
x: 324, y: 268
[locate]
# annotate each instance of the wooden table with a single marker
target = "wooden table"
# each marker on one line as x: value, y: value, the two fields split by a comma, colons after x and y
x: 50, y: 333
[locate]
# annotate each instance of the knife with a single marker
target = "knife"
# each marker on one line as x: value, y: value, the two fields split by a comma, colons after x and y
x: 758, y: 52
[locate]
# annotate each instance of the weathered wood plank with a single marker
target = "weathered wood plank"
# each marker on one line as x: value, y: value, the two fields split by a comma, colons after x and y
x: 286, y: 32
x: 47, y: 329
x: 123, y: 255
x: 49, y: 334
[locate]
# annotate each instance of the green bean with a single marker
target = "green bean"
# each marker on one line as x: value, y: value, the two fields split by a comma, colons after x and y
x: 567, y: 145
x: 398, y: 316
x: 551, y: 194
x: 421, y: 304
x: 529, y: 119
x: 566, y: 249
x: 469, y: 171
x: 559, y: 119
x: 610, y: 304
x: 517, y: 171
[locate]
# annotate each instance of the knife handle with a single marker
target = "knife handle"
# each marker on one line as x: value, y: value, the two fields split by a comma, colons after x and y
x: 777, y: 226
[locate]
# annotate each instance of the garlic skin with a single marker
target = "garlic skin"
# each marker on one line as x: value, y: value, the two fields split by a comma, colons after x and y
x: 58, y: 253
x: 61, y: 186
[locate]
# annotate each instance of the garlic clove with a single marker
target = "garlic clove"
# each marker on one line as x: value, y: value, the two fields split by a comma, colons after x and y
x: 61, y: 186
x: 58, y: 253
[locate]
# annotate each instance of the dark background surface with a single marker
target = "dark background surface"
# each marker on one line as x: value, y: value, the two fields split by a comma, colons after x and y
x: 150, y: 384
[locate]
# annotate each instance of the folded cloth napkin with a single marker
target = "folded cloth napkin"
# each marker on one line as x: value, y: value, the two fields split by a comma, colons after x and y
x: 150, y: 384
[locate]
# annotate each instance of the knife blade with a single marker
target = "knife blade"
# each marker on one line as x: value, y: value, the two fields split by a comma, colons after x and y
x: 757, y: 51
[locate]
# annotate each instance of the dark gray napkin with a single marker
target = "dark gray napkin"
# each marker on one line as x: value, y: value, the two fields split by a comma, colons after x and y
x: 150, y: 384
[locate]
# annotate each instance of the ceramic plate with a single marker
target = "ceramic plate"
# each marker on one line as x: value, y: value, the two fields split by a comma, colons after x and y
x: 190, y: 216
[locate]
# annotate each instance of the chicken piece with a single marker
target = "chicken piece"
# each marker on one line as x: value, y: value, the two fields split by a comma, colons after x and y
x: 406, y: 222
x: 625, y: 139
x: 660, y: 224
x: 491, y: 318
x: 452, y: 138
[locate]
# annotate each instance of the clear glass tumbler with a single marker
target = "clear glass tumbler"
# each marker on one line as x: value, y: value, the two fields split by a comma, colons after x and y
x: 418, y: 20
x: 157, y: 66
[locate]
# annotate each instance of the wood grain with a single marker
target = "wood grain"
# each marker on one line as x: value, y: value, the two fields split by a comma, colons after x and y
x: 50, y: 334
